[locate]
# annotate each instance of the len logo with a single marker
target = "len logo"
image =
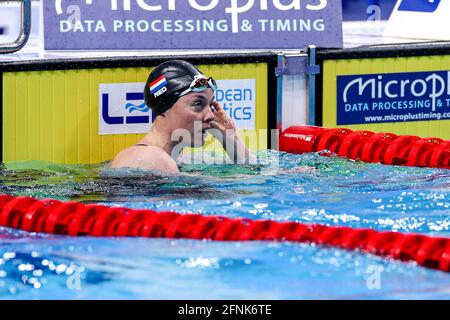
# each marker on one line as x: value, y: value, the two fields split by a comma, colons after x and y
x: 133, y: 96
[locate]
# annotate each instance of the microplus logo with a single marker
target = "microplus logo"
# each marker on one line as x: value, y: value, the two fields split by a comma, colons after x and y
x: 122, y: 109
x: 433, y: 86
x: 393, y: 94
x: 234, y: 9
x: 419, y: 5
x: 191, y: 24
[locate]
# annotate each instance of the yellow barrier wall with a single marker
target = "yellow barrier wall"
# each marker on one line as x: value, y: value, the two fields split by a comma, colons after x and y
x: 334, y: 68
x: 53, y: 115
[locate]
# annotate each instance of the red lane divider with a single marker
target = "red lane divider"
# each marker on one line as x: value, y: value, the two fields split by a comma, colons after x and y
x: 386, y: 148
x: 76, y: 219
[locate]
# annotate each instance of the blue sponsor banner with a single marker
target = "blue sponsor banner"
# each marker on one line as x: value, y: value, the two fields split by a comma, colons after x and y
x: 393, y: 97
x: 191, y: 24
x: 419, y: 5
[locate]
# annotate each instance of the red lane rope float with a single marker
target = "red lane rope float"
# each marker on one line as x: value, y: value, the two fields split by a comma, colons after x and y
x: 76, y: 219
x: 386, y: 148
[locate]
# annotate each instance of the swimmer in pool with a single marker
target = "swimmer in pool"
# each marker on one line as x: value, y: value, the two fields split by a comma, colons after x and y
x: 182, y: 99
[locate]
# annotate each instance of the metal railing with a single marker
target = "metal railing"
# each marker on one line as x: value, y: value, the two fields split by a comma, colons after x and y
x: 25, y: 28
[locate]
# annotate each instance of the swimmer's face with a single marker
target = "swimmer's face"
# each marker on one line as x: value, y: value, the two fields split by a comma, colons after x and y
x: 192, y: 113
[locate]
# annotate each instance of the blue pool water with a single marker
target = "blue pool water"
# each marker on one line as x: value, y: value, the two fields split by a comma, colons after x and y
x: 305, y: 188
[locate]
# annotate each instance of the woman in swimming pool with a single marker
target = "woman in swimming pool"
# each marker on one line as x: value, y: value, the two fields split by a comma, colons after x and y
x: 182, y: 99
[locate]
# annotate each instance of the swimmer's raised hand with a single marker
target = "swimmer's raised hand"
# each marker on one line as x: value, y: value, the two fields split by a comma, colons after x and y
x: 237, y: 151
x: 221, y: 120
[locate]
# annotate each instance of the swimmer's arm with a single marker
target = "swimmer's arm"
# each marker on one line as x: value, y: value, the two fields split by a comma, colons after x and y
x: 225, y: 132
x: 147, y: 158
x: 237, y: 150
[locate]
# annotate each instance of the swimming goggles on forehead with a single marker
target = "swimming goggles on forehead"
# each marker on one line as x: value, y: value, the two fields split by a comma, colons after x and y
x: 199, y: 84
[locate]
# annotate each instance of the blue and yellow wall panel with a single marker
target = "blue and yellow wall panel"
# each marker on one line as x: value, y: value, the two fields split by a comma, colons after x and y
x: 382, y: 66
x: 52, y: 115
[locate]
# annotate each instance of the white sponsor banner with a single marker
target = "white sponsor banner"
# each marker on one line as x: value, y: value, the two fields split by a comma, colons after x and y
x: 238, y: 99
x: 420, y: 19
x: 122, y: 109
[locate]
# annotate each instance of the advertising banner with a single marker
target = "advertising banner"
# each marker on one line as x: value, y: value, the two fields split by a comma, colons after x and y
x: 393, y: 97
x: 191, y: 24
x: 402, y: 95
x: 122, y: 109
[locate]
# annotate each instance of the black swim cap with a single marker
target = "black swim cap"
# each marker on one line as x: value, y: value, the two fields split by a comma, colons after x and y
x: 166, y: 82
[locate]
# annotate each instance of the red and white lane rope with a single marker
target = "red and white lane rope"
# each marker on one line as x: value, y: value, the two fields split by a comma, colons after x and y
x: 76, y: 219
x: 367, y: 146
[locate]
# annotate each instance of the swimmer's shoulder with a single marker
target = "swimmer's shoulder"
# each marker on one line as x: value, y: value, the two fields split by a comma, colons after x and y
x: 145, y: 157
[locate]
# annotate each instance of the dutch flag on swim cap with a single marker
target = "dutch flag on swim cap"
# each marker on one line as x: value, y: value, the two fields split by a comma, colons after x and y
x: 159, y: 83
